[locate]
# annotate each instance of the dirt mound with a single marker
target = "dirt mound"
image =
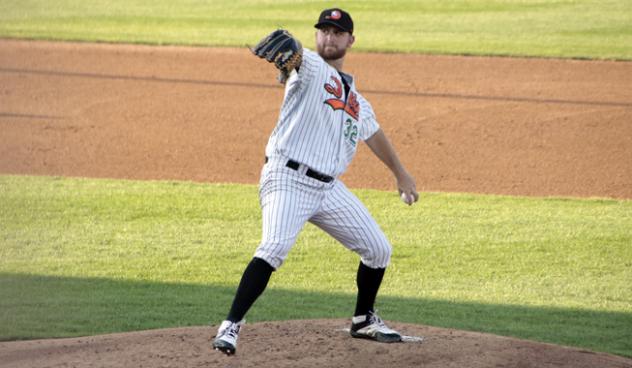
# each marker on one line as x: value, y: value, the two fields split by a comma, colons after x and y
x: 313, y: 343
x: 460, y: 124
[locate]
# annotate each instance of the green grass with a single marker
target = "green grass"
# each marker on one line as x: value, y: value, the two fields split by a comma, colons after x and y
x: 85, y: 256
x: 561, y: 28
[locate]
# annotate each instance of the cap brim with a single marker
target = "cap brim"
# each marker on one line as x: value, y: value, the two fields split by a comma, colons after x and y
x: 330, y: 23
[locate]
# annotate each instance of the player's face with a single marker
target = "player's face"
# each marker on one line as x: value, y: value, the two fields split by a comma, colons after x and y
x: 332, y: 43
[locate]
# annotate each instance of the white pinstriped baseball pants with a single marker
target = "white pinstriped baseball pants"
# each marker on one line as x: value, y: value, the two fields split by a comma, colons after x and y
x: 289, y: 199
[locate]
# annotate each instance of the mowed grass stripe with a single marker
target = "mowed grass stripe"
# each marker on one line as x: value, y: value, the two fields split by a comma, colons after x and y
x: 186, y: 232
x: 563, y: 28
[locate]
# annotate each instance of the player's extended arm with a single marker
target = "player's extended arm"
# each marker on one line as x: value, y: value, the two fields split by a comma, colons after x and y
x: 383, y: 149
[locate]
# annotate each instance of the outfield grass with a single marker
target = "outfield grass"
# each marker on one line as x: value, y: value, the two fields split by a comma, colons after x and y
x: 561, y: 28
x: 86, y: 256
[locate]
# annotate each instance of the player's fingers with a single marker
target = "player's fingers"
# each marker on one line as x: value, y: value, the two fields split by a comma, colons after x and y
x: 406, y: 197
x: 265, y: 42
x: 271, y: 46
x: 409, y: 191
x: 415, y: 195
x: 273, y: 52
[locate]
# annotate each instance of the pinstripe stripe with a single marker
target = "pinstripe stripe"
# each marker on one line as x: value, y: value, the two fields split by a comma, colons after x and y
x: 343, y: 213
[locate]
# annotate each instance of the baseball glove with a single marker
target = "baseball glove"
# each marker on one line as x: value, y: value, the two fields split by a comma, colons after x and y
x: 282, y: 49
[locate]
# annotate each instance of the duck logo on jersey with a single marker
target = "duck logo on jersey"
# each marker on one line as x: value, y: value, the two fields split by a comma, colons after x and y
x: 352, y: 107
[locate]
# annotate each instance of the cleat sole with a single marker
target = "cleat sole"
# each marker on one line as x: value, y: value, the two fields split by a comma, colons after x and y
x: 228, y: 350
x: 385, y: 338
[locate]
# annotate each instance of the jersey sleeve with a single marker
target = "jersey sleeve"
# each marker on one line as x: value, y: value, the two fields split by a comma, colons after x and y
x: 298, y: 80
x: 310, y: 66
x: 368, y: 121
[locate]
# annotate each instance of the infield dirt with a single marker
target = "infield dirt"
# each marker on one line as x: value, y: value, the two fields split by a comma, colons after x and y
x: 464, y: 124
x: 461, y: 124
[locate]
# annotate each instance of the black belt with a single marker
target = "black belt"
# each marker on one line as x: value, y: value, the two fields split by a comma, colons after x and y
x: 311, y: 173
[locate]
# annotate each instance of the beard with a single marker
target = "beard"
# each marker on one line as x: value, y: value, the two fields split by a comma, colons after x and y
x: 331, y: 53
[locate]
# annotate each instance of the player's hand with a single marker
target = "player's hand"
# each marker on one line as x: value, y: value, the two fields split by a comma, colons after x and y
x: 407, y: 189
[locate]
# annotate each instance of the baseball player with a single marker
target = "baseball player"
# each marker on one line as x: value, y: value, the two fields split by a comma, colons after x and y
x: 322, y: 120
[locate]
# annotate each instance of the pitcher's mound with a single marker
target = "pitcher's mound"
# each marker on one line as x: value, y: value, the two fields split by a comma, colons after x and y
x: 313, y: 343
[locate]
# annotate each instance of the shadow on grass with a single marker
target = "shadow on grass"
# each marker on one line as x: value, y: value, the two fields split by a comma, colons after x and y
x: 33, y: 306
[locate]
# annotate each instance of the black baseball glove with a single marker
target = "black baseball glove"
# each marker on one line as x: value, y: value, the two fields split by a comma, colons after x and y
x: 282, y: 49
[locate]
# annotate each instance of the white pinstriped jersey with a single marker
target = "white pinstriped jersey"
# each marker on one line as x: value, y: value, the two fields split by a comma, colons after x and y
x: 319, y: 125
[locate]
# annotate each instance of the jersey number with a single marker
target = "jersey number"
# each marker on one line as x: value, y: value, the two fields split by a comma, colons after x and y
x: 351, y: 131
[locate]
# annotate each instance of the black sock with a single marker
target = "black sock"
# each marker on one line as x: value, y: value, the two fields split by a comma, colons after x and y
x: 253, y: 283
x: 368, y: 281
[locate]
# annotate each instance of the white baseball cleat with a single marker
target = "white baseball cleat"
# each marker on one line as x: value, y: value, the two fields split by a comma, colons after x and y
x: 227, y: 335
x: 371, y: 326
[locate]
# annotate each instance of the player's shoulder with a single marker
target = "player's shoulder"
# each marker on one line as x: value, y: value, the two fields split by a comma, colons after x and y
x: 309, y: 51
x: 312, y: 56
x: 365, y: 106
x: 313, y: 67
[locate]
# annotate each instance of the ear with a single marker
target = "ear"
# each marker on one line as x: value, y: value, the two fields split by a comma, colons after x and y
x: 351, y: 40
